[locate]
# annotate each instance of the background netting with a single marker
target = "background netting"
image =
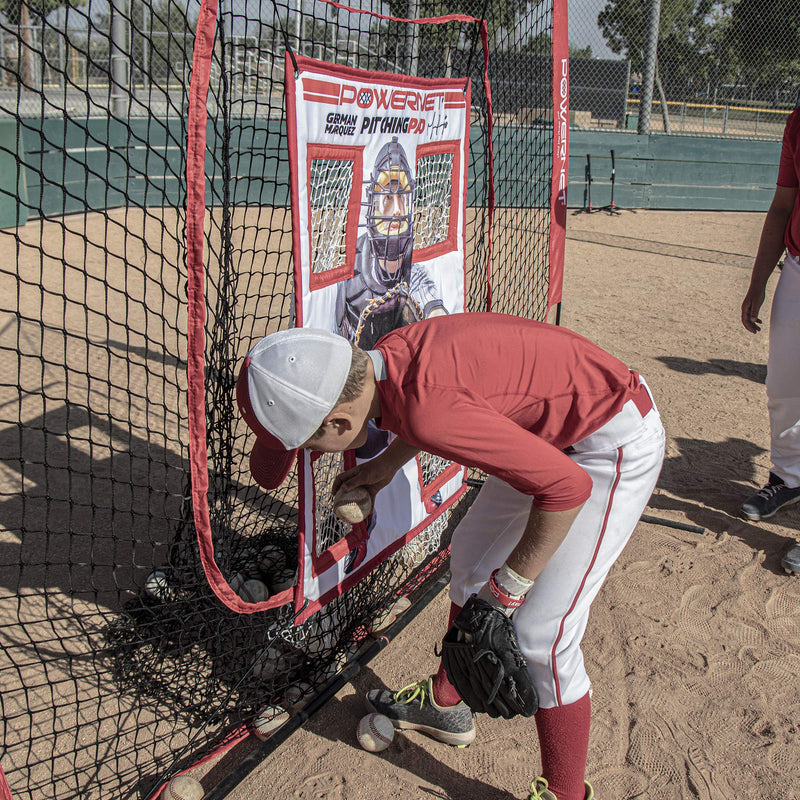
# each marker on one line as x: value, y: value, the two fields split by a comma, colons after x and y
x: 119, y: 666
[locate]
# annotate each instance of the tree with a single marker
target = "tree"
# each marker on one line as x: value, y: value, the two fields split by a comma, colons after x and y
x: 168, y: 26
x: 766, y: 38
x: 705, y: 43
x: 24, y: 14
x: 685, y: 28
x: 14, y: 10
x: 686, y: 39
x: 500, y: 15
x: 160, y: 35
x: 580, y: 52
x: 540, y: 43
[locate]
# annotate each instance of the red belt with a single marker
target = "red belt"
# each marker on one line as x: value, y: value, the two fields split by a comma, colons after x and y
x: 642, y: 400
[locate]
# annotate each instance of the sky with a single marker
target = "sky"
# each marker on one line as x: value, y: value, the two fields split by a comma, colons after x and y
x: 583, y: 29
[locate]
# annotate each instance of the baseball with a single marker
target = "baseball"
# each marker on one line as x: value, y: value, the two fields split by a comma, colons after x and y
x: 275, y: 660
x: 282, y: 579
x: 253, y: 591
x: 353, y: 506
x: 183, y: 787
x: 272, y: 559
x: 375, y: 732
x: 322, y: 643
x: 236, y: 582
x: 297, y: 695
x: 157, y: 586
x: 268, y: 720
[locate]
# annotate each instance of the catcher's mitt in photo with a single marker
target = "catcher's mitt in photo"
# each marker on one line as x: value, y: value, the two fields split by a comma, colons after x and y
x: 481, y: 656
x: 394, y: 309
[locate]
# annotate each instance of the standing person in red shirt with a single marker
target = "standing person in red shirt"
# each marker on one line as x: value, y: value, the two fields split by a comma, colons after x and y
x: 572, y: 445
x: 781, y: 230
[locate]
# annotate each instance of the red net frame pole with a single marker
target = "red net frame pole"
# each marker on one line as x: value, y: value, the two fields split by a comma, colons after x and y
x: 558, y: 193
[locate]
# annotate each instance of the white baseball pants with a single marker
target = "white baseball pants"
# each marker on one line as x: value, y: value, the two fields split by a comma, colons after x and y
x: 624, y: 459
x: 783, y: 374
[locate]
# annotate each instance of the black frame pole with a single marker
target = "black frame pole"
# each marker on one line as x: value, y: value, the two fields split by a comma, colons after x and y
x: 587, y: 192
x: 612, y: 207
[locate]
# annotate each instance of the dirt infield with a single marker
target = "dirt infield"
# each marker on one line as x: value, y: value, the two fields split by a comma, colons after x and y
x: 694, y: 642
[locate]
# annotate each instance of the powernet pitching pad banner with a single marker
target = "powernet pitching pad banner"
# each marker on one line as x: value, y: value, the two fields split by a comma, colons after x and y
x: 378, y: 166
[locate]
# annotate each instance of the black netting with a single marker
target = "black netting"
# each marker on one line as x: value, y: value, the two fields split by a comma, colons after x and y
x: 119, y: 666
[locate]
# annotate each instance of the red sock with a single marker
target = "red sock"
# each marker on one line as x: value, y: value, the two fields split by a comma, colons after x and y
x: 564, y: 744
x: 444, y: 693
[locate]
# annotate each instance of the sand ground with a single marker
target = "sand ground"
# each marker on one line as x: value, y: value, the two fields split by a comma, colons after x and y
x: 694, y: 642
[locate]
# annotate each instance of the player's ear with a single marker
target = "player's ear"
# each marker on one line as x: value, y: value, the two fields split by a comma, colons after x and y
x: 339, y: 421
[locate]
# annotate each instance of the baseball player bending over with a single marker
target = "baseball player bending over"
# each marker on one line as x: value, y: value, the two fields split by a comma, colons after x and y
x: 572, y: 445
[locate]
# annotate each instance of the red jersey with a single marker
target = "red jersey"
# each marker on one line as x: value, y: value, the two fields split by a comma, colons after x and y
x: 504, y: 394
x: 789, y: 175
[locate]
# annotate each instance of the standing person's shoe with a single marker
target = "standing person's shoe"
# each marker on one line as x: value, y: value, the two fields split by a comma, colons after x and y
x: 791, y: 561
x: 413, y: 708
x: 767, y: 501
x: 539, y: 791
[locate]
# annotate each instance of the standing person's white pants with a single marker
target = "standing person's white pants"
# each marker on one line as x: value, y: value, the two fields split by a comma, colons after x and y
x: 783, y: 374
x: 624, y: 459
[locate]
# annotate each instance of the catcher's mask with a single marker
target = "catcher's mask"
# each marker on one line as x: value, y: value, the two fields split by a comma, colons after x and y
x: 390, y: 197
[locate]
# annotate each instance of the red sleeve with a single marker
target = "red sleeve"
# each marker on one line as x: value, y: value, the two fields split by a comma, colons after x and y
x: 470, y: 432
x: 787, y: 168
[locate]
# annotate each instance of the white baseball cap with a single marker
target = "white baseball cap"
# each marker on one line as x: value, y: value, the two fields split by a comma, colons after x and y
x: 289, y: 382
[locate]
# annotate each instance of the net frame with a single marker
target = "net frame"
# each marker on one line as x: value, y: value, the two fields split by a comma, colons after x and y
x: 154, y: 681
x: 198, y: 447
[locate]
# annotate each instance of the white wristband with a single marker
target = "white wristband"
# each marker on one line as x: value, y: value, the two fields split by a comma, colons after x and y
x: 512, y: 583
x: 505, y: 590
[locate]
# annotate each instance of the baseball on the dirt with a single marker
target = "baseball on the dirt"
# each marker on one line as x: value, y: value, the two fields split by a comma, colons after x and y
x: 268, y: 720
x: 353, y: 506
x: 183, y: 787
x: 375, y: 732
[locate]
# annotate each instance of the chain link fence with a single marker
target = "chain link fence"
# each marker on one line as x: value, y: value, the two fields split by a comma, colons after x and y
x: 127, y: 56
x: 698, y: 67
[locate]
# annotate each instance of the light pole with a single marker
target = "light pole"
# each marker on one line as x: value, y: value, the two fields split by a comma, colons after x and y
x: 119, y: 60
x: 412, y: 48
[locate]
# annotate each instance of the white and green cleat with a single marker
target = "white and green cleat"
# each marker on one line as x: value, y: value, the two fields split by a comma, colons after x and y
x: 413, y: 708
x: 539, y: 791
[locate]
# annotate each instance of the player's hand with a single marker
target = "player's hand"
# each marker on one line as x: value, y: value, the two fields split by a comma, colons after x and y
x: 751, y: 305
x: 373, y: 475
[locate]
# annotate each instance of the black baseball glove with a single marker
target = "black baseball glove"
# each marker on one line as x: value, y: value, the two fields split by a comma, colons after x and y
x: 483, y: 661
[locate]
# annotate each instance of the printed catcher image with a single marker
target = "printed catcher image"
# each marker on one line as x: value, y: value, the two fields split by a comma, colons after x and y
x: 387, y: 289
